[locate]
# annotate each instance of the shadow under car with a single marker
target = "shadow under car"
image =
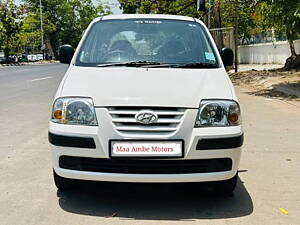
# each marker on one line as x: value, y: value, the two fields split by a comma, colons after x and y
x: 148, y: 201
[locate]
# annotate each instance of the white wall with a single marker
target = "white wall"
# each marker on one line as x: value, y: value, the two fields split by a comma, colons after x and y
x: 266, y: 53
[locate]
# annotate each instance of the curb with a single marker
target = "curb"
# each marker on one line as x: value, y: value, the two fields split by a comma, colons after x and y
x: 26, y: 64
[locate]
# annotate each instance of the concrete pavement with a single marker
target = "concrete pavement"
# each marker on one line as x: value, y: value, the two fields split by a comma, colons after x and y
x: 269, y: 169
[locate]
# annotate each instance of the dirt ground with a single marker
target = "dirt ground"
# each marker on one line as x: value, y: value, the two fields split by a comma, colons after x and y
x: 270, y: 83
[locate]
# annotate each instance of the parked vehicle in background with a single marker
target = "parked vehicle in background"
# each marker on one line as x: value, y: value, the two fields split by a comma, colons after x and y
x: 146, y: 99
x: 32, y: 58
x: 40, y: 57
x: 23, y: 58
x: 11, y: 58
x: 2, y: 57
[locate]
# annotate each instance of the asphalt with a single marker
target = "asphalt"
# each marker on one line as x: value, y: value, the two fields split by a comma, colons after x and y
x: 26, y: 94
x: 268, y: 178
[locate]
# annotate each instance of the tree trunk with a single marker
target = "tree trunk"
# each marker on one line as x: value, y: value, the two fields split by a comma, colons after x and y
x: 291, y: 43
x: 6, y: 51
x: 53, y: 43
x: 293, y: 62
x: 218, y: 24
x: 292, y: 47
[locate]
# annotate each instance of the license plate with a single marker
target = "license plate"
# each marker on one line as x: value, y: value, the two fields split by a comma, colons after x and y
x: 146, y: 149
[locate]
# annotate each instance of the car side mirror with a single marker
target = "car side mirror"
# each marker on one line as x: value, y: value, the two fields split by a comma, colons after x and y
x: 66, y: 53
x: 227, y: 56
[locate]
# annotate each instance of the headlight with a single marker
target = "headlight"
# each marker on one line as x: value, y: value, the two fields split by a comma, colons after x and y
x: 74, y: 110
x: 218, y: 113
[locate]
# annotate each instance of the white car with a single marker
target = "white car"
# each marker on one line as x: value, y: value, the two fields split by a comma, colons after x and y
x: 146, y: 98
x: 32, y: 58
x: 40, y: 57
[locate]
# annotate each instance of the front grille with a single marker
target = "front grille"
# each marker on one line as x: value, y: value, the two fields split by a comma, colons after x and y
x: 123, y: 119
x: 142, y: 166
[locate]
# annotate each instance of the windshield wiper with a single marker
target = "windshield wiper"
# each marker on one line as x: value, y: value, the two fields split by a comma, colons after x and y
x: 149, y: 64
x: 186, y: 65
x: 197, y: 65
x: 130, y: 64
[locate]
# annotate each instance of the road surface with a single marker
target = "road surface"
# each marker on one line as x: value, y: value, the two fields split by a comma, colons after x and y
x: 269, y: 169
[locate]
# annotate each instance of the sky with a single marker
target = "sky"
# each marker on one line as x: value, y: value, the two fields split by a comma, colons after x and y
x: 114, y: 4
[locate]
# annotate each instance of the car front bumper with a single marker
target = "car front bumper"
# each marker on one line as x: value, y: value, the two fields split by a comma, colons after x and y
x: 92, y: 142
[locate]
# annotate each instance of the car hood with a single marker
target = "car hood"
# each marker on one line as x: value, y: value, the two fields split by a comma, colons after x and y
x: 168, y: 87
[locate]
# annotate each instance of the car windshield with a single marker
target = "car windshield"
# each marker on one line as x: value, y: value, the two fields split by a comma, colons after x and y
x: 146, y: 42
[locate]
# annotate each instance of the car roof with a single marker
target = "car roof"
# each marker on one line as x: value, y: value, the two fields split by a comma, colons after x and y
x: 144, y: 16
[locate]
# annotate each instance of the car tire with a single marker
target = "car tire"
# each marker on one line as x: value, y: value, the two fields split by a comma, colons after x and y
x: 63, y: 183
x: 225, y: 187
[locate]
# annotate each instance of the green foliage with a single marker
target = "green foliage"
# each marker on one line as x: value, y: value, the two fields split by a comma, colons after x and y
x: 75, y: 17
x: 283, y: 15
x: 175, y: 7
x: 245, y: 10
x: 253, y: 16
x: 247, y: 19
x: 130, y: 6
x: 30, y: 34
x: 65, y: 20
x: 9, y: 26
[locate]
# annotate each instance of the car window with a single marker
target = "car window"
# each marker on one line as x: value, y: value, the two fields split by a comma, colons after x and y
x: 161, y: 41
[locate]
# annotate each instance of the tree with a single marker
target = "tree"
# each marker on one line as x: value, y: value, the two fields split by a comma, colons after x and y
x: 76, y: 15
x: 29, y: 36
x: 221, y: 11
x: 284, y: 15
x: 175, y: 7
x: 9, y: 28
x: 65, y: 20
x: 247, y: 19
x: 253, y: 16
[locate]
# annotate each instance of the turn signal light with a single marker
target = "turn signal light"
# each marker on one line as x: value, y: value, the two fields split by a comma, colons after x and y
x: 233, y: 118
x: 57, y: 114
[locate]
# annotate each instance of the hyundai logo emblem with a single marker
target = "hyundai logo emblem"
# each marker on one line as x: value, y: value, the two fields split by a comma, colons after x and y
x: 146, y: 117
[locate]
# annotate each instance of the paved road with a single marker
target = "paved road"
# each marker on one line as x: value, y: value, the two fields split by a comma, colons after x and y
x: 269, y: 170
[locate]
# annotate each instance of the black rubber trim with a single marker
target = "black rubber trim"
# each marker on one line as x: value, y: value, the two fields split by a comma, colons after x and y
x: 220, y: 143
x: 145, y: 166
x: 68, y: 141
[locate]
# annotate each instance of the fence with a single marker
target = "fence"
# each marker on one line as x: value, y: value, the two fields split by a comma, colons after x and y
x: 266, y: 53
x: 224, y: 37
